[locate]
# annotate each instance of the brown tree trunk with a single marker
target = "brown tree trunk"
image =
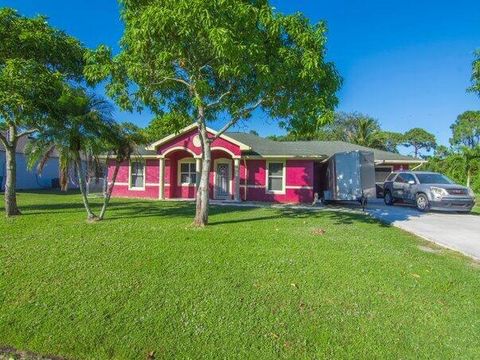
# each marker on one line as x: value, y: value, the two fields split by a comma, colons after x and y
x: 11, y: 208
x: 81, y: 184
x: 108, y: 193
x: 202, y: 197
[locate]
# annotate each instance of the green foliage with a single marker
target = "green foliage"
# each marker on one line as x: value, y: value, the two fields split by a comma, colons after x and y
x: 165, y: 124
x: 227, y: 57
x: 466, y: 129
x: 354, y: 127
x: 34, y: 61
x: 122, y: 140
x: 459, y: 165
x: 83, y: 126
x: 476, y: 73
x: 389, y: 140
x: 419, y: 139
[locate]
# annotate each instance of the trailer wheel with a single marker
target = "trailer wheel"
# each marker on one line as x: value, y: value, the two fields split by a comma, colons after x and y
x: 364, y: 202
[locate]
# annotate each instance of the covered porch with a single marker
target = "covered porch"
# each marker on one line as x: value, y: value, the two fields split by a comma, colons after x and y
x: 180, y: 175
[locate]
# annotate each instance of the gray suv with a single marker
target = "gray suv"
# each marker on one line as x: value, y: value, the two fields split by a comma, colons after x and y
x: 428, y: 191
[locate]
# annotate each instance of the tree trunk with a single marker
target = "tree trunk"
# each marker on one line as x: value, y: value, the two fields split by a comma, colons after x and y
x: 11, y: 208
x: 202, y: 197
x: 469, y: 175
x: 81, y: 184
x: 108, y: 193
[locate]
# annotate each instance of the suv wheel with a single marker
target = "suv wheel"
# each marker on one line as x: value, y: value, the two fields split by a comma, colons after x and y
x: 422, y: 202
x: 388, y: 198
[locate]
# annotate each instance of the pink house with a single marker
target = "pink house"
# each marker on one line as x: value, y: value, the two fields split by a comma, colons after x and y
x: 244, y: 167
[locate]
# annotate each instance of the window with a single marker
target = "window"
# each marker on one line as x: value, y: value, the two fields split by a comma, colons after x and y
x: 275, y: 176
x: 137, y: 175
x: 188, y: 173
x: 433, y: 178
x: 405, y: 178
x: 391, y: 176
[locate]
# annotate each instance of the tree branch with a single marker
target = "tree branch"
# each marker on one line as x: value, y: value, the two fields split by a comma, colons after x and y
x: 27, y: 132
x: 219, y: 100
x: 3, y: 139
x: 186, y: 83
x: 235, y: 119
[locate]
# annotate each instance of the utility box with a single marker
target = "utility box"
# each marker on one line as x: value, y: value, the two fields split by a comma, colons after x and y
x: 350, y: 177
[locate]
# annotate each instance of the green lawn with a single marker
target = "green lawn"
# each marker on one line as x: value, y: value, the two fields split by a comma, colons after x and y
x: 257, y: 283
x: 476, y: 209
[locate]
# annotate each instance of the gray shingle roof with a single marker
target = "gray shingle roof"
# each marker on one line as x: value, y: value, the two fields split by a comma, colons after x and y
x: 142, y: 151
x: 266, y: 147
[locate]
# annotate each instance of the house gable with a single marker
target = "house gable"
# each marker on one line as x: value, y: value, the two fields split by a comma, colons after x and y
x: 188, y: 140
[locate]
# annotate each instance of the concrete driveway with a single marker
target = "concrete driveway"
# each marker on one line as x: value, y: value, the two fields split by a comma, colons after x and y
x: 460, y: 232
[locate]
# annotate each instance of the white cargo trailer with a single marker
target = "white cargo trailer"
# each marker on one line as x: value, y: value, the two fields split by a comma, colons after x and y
x: 350, y: 176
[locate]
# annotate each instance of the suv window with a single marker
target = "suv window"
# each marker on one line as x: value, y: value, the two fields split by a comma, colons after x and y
x: 405, y: 178
x: 391, y: 176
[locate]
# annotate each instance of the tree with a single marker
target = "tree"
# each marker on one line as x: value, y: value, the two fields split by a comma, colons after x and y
x: 35, y: 60
x: 360, y: 129
x: 419, y: 139
x: 466, y: 129
x: 389, y: 140
x: 121, y: 143
x: 83, y: 120
x: 476, y: 73
x: 471, y: 160
x: 166, y: 124
x: 365, y: 133
x: 441, y: 152
x: 211, y: 59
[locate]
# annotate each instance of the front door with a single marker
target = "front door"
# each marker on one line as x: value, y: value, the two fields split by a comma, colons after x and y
x: 222, y: 181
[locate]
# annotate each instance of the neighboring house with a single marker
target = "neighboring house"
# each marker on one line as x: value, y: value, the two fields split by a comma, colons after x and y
x: 244, y: 167
x: 31, y: 179
x: 28, y: 179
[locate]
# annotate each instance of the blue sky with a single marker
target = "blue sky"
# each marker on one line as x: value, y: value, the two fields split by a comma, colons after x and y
x: 406, y: 63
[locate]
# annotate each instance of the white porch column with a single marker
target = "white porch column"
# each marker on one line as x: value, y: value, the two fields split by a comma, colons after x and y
x: 236, y: 178
x: 198, y: 169
x: 161, y: 178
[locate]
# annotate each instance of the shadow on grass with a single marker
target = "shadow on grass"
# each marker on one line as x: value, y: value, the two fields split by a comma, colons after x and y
x: 120, y: 209
x: 337, y: 217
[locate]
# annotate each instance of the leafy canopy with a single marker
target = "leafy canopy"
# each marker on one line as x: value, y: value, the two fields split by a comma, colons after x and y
x: 165, y: 124
x: 35, y: 59
x: 223, y: 57
x: 476, y: 73
x: 419, y: 139
x: 353, y: 127
x: 461, y: 165
x: 466, y: 129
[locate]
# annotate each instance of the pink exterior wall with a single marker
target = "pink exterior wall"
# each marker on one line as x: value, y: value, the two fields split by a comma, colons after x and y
x: 121, y: 188
x: 176, y: 190
x: 186, y: 141
x: 298, y: 182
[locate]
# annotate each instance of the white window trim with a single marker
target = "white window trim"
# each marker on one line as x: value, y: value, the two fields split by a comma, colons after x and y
x: 179, y: 171
x: 284, y: 177
x: 135, y: 188
x: 229, y: 163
